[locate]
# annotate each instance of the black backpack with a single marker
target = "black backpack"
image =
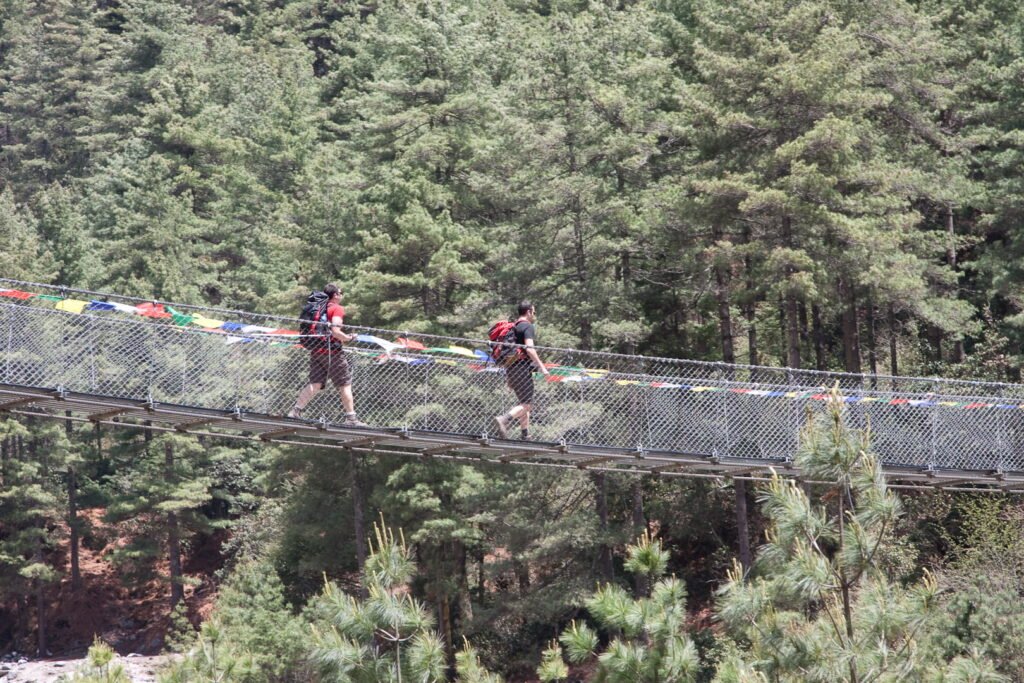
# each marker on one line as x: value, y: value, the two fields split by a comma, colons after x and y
x: 314, y: 327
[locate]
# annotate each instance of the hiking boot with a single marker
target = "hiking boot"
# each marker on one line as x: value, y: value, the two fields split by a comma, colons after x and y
x: 295, y: 413
x: 501, y: 425
x: 353, y: 421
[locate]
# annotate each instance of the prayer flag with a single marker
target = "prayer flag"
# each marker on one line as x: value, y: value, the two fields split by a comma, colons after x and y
x: 72, y: 305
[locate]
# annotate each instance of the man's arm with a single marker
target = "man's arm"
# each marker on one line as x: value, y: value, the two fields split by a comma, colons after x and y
x: 532, y: 353
x: 336, y: 332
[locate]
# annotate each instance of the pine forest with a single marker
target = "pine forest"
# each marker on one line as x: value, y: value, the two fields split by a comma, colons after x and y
x: 811, y: 184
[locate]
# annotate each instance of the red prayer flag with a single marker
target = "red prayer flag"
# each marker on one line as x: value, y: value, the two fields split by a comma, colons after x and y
x: 410, y: 344
x: 16, y: 294
x: 151, y: 310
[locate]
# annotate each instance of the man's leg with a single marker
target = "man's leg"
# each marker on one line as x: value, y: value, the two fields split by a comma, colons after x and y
x: 305, y: 396
x: 348, y: 402
x: 520, y: 381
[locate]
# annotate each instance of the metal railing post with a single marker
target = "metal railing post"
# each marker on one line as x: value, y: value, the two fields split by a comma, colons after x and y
x: 10, y: 344
x: 934, y: 432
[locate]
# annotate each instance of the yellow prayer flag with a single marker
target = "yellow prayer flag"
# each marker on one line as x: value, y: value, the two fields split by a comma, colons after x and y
x: 72, y: 305
x: 206, y: 323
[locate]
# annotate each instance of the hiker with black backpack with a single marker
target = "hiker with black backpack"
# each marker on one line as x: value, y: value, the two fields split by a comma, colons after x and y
x: 320, y: 331
x: 513, y: 348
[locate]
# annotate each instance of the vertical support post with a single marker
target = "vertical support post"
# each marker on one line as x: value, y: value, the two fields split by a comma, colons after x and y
x: 93, y: 331
x: 265, y: 392
x: 10, y: 344
x: 934, y: 431
x: 648, y: 404
x: 794, y: 414
x: 722, y: 379
x: 424, y: 390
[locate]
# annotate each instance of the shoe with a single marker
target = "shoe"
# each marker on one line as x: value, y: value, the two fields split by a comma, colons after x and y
x: 295, y: 413
x: 501, y: 425
x: 353, y: 421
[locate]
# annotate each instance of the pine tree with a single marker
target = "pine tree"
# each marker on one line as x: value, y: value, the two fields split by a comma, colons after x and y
x: 31, y: 260
x: 162, y: 492
x: 581, y: 139
x: 49, y: 70
x: 391, y: 206
x: 820, y: 606
x: 819, y: 144
x: 388, y: 636
x: 648, y: 641
x: 31, y: 464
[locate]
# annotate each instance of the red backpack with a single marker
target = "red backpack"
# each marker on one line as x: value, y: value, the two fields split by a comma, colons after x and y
x: 503, y: 347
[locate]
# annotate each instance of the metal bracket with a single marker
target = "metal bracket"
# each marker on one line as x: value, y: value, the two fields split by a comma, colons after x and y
x: 267, y: 436
x: 10, y: 405
x: 106, y: 415
x: 185, y: 426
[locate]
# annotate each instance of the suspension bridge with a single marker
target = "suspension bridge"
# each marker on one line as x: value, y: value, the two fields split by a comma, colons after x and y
x: 109, y: 359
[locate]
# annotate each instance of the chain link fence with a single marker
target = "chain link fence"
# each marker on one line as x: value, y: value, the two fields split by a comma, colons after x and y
x: 447, y: 385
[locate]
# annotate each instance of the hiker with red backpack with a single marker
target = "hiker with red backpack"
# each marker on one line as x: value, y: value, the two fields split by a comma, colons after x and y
x: 320, y: 331
x: 512, y: 347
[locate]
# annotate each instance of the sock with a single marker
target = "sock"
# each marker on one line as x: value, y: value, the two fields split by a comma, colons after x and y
x: 350, y: 414
x: 524, y: 433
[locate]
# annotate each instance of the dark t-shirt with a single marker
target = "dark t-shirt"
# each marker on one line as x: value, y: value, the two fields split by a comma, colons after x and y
x: 523, y: 331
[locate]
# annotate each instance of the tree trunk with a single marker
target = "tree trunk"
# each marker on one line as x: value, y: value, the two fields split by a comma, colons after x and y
x: 173, y: 534
x: 819, y: 338
x: 465, y: 597
x: 805, y: 333
x: 40, y: 605
x: 444, y: 610
x: 743, y: 524
x: 851, y: 339
x: 792, y: 314
x: 358, y: 518
x: 604, y: 557
x: 894, y: 368
x: 792, y: 332
x: 845, y: 586
x: 639, y: 526
x: 722, y: 296
x: 73, y: 521
x: 958, y: 345
x: 872, y: 342
x: 750, y: 305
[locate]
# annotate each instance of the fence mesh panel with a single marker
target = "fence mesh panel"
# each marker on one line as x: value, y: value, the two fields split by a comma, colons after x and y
x: 447, y: 385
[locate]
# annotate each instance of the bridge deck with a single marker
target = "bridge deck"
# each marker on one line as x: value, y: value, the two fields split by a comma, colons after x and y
x: 114, y: 360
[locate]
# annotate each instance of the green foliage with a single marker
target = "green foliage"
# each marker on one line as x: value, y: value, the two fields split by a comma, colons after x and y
x: 820, y: 607
x: 100, y: 666
x: 252, y: 635
x: 650, y: 643
x: 755, y: 179
x: 387, y: 636
x: 212, y: 658
x: 469, y: 669
x: 552, y: 667
x: 181, y: 635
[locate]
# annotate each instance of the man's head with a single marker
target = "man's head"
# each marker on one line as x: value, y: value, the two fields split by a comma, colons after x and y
x: 333, y: 291
x: 527, y: 310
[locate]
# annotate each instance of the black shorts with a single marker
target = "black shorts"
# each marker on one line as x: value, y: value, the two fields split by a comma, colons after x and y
x: 520, y: 379
x: 329, y: 365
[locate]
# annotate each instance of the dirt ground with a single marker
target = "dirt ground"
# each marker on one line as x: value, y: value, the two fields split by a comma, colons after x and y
x: 140, y: 669
x: 128, y: 612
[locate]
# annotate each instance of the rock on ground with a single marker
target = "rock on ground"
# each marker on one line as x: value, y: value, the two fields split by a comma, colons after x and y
x: 141, y: 669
